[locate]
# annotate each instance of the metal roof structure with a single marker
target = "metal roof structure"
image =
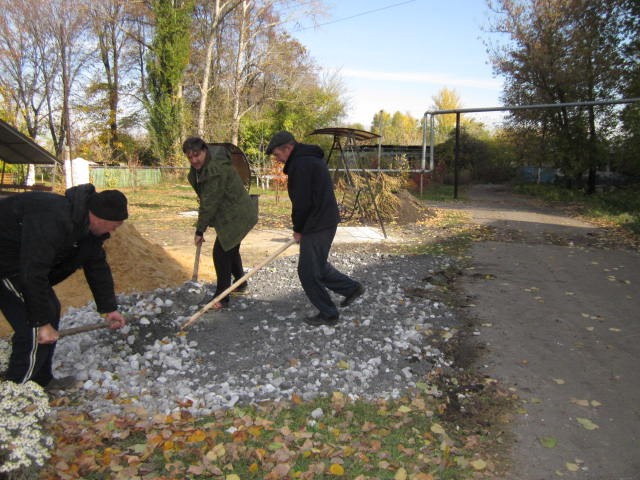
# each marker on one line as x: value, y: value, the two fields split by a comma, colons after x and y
x: 352, y: 133
x: 345, y: 143
x: 18, y: 148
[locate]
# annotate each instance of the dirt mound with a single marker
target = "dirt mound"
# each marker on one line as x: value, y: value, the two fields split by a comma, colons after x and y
x: 410, y: 210
x: 136, y: 264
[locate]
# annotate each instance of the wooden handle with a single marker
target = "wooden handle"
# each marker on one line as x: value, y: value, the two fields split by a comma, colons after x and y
x: 196, y: 264
x: 85, y: 328
x: 235, y: 284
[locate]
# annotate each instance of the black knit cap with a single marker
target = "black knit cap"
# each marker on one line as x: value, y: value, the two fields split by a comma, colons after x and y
x: 278, y: 139
x: 109, y: 205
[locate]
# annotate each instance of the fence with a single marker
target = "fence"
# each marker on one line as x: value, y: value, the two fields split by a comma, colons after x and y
x: 122, y: 177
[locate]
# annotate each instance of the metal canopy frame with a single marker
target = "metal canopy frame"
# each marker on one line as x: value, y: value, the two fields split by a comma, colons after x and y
x: 17, y: 148
x: 345, y: 142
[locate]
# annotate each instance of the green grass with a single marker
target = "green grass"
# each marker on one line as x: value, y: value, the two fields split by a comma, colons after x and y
x: 413, y: 437
x: 436, y: 192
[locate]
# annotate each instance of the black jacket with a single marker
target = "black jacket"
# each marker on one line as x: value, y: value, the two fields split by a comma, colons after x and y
x: 314, y: 205
x: 44, y: 238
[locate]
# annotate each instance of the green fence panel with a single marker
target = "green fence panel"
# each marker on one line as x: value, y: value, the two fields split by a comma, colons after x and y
x: 118, y: 177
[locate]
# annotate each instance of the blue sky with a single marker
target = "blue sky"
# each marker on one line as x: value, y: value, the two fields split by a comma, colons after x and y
x: 395, y: 55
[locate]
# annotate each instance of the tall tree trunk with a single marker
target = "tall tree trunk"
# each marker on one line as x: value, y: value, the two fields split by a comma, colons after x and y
x: 239, y: 72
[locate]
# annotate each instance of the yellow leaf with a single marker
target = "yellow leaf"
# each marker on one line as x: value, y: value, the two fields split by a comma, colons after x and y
x: 586, y: 423
x: 582, y: 403
x: 559, y: 381
x: 479, y: 464
x: 401, y: 474
x: 253, y: 468
x: 343, y: 365
x: 404, y: 409
x: 422, y: 476
x: 595, y: 403
x: 572, y: 467
x: 233, y: 476
x: 437, y: 428
x: 216, y: 452
x: 336, y: 469
x: 197, y: 436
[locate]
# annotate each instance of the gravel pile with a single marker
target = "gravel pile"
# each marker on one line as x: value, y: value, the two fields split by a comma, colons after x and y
x: 260, y: 348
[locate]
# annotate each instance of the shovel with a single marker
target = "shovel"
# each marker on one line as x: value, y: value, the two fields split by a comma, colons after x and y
x: 235, y: 285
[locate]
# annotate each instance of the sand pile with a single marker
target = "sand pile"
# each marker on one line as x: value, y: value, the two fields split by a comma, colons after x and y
x: 410, y: 209
x: 137, y: 265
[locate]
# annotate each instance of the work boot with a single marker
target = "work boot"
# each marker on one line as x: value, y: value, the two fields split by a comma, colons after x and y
x: 61, y: 384
x: 348, y: 300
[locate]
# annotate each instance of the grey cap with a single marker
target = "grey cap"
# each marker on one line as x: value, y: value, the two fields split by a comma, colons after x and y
x: 278, y: 139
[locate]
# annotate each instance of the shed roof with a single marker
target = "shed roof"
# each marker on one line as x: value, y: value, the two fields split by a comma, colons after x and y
x: 18, y: 148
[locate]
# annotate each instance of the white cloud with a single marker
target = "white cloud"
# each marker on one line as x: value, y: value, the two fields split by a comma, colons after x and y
x: 424, y: 78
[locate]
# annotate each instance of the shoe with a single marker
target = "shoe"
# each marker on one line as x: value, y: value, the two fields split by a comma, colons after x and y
x: 216, y: 306
x: 242, y: 289
x: 62, y: 383
x: 319, y: 320
x: 348, y: 300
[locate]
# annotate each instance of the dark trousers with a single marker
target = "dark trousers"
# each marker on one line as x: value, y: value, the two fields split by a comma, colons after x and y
x: 317, y: 274
x: 29, y: 360
x: 226, y: 263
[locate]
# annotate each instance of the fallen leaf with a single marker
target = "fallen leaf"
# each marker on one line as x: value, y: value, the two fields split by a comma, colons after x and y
x: 559, y: 381
x: 336, y: 469
x: 479, y: 464
x: 582, y: 403
x: 586, y: 423
x: 401, y: 474
x: 572, y: 467
x: 548, y: 442
x: 437, y: 428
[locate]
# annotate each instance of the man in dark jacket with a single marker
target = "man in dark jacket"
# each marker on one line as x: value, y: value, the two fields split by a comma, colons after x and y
x: 315, y: 220
x: 44, y: 238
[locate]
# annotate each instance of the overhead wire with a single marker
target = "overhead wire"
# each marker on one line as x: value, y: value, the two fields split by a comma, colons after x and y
x: 367, y: 12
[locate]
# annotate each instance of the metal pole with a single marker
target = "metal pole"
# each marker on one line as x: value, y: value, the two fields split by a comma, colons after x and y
x: 423, y: 160
x: 456, y: 157
x: 380, y: 140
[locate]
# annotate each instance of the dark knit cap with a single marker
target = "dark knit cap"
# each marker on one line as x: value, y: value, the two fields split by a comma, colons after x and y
x: 109, y: 205
x: 280, y: 138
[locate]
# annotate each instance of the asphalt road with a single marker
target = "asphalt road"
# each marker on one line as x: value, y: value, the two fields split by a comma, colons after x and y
x: 557, y: 308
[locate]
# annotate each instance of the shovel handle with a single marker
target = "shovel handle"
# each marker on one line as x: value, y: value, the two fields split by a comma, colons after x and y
x: 235, y: 284
x: 85, y: 328
x: 196, y: 263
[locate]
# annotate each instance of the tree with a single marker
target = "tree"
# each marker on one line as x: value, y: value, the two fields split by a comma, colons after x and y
x: 112, y: 25
x: 167, y: 61
x: 23, y: 62
x: 397, y: 129
x: 445, y: 100
x: 630, y: 148
x: 209, y: 18
x: 562, y: 51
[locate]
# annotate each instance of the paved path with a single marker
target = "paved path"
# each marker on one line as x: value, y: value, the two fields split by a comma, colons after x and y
x: 560, y: 317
